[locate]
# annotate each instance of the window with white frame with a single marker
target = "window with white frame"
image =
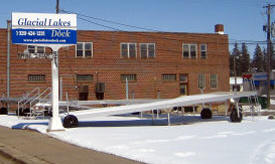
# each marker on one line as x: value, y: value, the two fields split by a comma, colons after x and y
x: 203, y: 48
x: 147, y: 50
x: 36, y: 49
x: 84, y: 49
x: 201, y: 81
x: 129, y: 77
x: 213, y: 81
x: 189, y: 51
x: 185, y: 51
x: 128, y: 50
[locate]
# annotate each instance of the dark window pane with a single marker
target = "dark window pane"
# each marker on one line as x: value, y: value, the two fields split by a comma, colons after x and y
x: 79, y: 53
x: 132, y: 50
x: 143, y: 51
x: 203, y: 51
x: 124, y: 50
x: 185, y: 51
x: 203, y: 47
x: 79, y: 46
x: 31, y: 49
x: 88, y: 46
x: 88, y: 53
x: 193, y: 51
x: 151, y: 49
x: 193, y: 55
x: 203, y: 55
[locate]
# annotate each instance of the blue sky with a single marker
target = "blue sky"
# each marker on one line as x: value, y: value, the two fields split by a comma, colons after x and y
x: 243, y: 19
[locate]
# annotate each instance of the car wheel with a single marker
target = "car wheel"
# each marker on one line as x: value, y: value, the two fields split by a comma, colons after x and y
x: 234, y: 116
x: 70, y: 121
x: 206, y: 113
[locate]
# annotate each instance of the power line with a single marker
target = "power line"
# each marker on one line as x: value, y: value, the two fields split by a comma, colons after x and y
x: 166, y: 38
x: 112, y: 22
x: 80, y: 16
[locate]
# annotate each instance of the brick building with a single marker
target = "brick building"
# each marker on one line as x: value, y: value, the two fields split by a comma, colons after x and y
x: 156, y: 65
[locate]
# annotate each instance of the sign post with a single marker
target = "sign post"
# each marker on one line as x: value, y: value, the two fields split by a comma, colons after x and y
x: 48, y: 30
x: 55, y: 123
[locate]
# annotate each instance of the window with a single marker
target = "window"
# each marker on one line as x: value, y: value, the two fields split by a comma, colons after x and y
x: 147, y: 50
x: 185, y: 51
x: 213, y: 81
x: 124, y: 50
x: 128, y: 50
x: 189, y: 51
x: 31, y: 49
x: 129, y: 77
x: 203, y: 51
x: 37, y: 78
x: 36, y: 49
x: 84, y: 78
x: 84, y: 49
x: 169, y: 77
x: 201, y: 81
x: 183, y: 78
x: 193, y: 51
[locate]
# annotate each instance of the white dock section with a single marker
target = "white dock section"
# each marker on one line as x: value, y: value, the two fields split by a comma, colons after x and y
x: 164, y: 104
x: 113, y: 102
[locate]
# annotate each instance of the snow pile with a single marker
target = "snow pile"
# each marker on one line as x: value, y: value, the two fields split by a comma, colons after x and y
x: 219, y: 141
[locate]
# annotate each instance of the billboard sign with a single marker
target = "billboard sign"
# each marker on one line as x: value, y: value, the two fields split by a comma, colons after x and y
x: 40, y: 28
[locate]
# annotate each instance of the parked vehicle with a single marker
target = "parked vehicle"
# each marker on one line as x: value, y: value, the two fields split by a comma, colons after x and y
x: 262, y: 101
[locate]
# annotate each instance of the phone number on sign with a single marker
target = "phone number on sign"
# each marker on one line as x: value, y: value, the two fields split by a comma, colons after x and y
x: 30, y: 33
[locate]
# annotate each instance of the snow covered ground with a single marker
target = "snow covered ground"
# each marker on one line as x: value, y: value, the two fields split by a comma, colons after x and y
x: 193, y: 142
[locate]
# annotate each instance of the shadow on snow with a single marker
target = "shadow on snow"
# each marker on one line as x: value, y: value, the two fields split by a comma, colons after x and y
x: 146, y: 121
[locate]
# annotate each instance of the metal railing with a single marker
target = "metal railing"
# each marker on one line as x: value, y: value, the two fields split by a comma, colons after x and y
x: 26, y: 98
x: 43, y: 97
x: 254, y: 104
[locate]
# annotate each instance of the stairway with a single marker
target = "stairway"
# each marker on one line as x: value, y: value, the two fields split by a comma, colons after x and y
x: 32, y: 105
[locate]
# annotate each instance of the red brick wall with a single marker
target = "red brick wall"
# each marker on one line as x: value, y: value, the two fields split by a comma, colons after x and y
x: 108, y: 65
x: 3, y: 61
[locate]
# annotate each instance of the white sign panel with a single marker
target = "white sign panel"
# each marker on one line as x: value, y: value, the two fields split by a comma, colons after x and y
x: 40, y: 28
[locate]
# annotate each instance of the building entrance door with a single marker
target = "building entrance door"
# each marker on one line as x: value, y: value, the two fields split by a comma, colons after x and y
x: 183, y: 84
x: 83, y: 92
x: 183, y: 89
x: 99, y: 90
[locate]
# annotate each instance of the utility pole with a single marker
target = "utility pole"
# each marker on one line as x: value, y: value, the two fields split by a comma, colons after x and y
x: 235, y: 74
x: 269, y: 6
x: 8, y: 59
x: 57, y: 6
x: 57, y: 60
